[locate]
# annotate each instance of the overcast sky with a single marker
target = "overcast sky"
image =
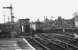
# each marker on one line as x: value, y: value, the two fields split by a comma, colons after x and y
x: 34, y: 9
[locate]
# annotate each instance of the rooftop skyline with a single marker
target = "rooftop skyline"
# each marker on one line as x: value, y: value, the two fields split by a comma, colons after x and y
x: 35, y: 9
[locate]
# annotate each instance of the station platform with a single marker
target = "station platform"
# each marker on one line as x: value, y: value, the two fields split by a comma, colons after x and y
x: 15, y: 44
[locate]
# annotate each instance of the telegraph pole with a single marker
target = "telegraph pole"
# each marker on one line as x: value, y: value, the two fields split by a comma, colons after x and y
x: 4, y: 18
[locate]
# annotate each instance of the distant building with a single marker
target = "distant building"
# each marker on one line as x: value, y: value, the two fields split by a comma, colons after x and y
x: 33, y: 26
x: 23, y: 25
x: 76, y: 21
x: 45, y: 25
x: 75, y: 18
x: 64, y: 23
x: 59, y: 23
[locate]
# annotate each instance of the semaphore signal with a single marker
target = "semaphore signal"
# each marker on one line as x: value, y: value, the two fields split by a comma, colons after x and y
x: 11, y: 13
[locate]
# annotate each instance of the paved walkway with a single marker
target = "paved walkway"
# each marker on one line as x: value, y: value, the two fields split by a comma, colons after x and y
x: 15, y: 44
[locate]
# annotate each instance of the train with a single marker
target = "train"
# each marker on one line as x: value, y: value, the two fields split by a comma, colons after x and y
x: 56, y: 30
x: 6, y: 32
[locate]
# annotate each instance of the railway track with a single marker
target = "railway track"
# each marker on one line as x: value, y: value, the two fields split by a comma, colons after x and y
x: 49, y: 44
x: 61, y: 42
x: 44, y: 44
x: 52, y: 41
x: 37, y: 44
x: 69, y: 41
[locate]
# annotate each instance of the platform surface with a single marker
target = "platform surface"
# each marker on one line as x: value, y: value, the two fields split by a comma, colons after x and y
x: 14, y: 44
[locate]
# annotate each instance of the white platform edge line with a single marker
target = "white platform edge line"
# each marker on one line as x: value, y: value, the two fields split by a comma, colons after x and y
x: 29, y: 44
